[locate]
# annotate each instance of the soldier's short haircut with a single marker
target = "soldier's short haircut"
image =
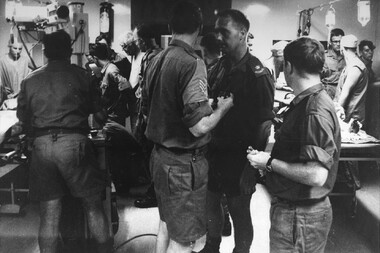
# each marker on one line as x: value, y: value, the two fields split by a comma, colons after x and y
x: 100, y: 50
x: 237, y: 16
x: 57, y: 45
x: 185, y: 17
x: 305, y: 54
x: 336, y: 32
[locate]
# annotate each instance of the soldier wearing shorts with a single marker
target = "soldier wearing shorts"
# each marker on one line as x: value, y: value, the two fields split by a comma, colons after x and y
x: 53, y: 107
x: 179, y: 117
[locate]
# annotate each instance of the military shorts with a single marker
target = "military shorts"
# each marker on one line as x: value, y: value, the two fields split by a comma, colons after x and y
x: 180, y: 180
x: 64, y: 163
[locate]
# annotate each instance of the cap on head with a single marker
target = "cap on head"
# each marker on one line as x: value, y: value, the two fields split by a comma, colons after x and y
x: 278, y: 48
x: 349, y: 41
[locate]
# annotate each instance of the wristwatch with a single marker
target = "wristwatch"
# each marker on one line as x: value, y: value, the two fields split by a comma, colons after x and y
x: 269, y: 167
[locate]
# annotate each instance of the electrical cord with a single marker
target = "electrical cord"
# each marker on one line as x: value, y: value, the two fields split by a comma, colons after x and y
x: 28, y: 33
x: 131, y: 239
x: 26, y: 49
x: 78, y: 33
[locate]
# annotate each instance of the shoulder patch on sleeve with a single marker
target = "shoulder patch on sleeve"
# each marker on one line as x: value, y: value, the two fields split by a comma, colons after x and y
x: 201, y: 76
x: 196, y: 89
x: 203, y: 86
x: 257, y: 67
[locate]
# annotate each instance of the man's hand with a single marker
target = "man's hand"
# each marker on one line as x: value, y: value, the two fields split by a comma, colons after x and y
x: 225, y: 103
x: 207, y: 123
x: 9, y: 104
x: 124, y: 85
x: 210, y: 101
x: 103, y: 85
x: 138, y: 92
x: 339, y: 110
x: 16, y: 129
x: 12, y: 95
x: 247, y: 181
x: 258, y: 159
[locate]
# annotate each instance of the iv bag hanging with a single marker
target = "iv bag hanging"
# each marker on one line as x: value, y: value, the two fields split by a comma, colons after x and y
x: 106, y: 20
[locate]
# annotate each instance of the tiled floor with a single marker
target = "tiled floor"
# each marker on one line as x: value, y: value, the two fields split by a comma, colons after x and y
x: 18, y: 234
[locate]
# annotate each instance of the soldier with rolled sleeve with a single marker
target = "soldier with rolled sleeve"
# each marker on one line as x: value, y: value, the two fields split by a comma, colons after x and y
x: 179, y: 118
x: 302, y: 167
x: 53, y: 107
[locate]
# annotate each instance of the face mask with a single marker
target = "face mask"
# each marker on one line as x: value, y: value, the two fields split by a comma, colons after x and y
x: 131, y: 49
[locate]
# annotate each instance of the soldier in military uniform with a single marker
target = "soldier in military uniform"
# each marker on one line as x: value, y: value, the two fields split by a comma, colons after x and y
x: 334, y: 63
x: 53, y: 108
x: 246, y: 124
x: 179, y: 117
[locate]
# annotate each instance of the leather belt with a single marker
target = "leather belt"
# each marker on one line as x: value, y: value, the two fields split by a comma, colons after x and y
x: 181, y: 151
x: 55, y: 131
x: 304, y: 202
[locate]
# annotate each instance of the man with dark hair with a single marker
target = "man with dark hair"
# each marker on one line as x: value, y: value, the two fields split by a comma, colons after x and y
x: 302, y: 167
x: 179, y: 116
x: 144, y: 37
x: 366, y: 50
x: 53, y: 107
x: 113, y: 85
x: 114, y: 93
x: 112, y: 55
x: 246, y: 124
x: 210, y: 49
x: 146, y: 42
x: 334, y: 62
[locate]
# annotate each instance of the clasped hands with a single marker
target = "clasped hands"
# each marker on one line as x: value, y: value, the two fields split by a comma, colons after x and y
x: 258, y: 159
